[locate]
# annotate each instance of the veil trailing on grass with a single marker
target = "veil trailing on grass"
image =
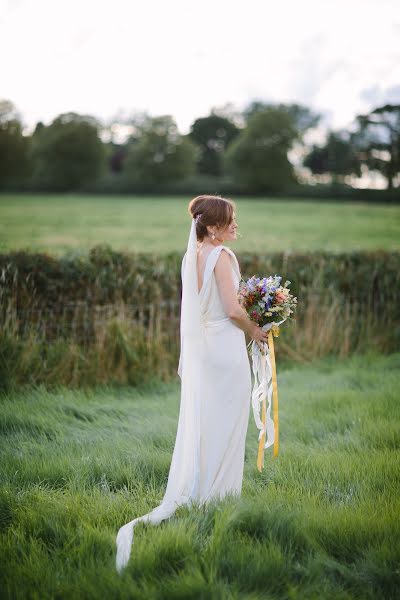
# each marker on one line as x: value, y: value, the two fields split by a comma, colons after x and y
x: 183, y: 478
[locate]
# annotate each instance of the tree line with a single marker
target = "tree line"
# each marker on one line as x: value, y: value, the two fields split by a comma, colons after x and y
x: 252, y: 149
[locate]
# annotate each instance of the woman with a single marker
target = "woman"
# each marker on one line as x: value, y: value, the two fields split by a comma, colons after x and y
x: 214, y: 368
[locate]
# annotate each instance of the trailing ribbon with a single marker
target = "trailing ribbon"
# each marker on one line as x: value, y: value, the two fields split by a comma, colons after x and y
x: 265, y: 388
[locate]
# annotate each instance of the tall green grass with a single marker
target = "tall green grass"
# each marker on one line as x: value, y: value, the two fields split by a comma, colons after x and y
x: 320, y: 521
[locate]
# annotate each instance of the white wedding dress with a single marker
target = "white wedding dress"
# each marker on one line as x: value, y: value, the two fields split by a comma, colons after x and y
x: 225, y: 390
x: 214, y: 367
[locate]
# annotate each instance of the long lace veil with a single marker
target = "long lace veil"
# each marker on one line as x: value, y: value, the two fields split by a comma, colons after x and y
x: 183, y: 478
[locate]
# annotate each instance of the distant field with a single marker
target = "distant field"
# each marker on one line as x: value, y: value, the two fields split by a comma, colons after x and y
x: 56, y: 223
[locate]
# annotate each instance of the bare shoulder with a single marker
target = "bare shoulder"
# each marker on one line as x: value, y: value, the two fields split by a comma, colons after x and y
x: 229, y: 257
x: 227, y: 251
x: 223, y: 264
x: 224, y: 257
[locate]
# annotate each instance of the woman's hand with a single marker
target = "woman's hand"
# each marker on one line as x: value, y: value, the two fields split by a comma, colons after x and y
x: 260, y: 336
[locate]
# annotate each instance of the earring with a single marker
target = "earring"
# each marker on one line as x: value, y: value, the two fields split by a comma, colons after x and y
x: 213, y: 236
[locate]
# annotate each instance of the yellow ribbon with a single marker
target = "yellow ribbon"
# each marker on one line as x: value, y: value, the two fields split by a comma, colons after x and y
x: 273, y: 332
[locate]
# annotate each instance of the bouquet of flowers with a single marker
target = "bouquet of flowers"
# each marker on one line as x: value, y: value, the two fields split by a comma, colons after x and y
x: 269, y: 304
x: 265, y: 300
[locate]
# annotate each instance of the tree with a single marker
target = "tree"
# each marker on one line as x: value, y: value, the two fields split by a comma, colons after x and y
x: 14, y: 146
x: 378, y: 139
x: 258, y: 156
x: 338, y: 157
x: 212, y: 134
x: 302, y: 117
x: 119, y: 133
x: 68, y: 153
x: 158, y: 153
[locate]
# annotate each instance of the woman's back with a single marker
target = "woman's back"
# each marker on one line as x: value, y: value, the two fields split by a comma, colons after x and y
x: 211, y: 304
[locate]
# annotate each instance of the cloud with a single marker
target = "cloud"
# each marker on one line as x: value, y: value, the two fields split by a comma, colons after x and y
x: 377, y: 95
x: 183, y: 58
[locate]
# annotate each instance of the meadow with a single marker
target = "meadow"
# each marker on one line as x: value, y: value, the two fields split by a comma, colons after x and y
x: 69, y: 222
x: 320, y: 521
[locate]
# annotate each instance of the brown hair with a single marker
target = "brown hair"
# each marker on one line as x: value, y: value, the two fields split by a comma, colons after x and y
x: 214, y: 210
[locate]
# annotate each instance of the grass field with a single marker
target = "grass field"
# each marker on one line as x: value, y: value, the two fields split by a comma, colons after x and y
x: 57, y: 223
x: 321, y: 521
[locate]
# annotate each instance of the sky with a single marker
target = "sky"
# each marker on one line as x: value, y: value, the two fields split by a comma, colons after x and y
x: 183, y: 58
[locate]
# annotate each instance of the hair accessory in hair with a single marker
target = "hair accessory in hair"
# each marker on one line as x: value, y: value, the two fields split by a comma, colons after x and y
x: 197, y: 217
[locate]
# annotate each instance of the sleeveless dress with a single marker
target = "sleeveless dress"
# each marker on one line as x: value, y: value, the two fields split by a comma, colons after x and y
x: 208, y: 456
x: 225, y: 384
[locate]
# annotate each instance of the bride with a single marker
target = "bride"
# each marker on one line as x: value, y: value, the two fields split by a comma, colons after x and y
x: 214, y: 369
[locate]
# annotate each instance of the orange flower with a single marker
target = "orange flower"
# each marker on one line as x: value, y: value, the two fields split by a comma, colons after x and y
x: 279, y: 298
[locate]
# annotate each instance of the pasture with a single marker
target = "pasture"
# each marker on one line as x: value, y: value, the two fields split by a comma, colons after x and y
x: 321, y: 521
x: 59, y: 223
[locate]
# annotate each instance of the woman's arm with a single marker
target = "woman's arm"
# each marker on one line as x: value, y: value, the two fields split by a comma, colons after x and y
x: 230, y: 302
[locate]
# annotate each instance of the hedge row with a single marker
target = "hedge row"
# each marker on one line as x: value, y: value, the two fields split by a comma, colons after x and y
x: 114, y: 317
x: 105, y: 276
